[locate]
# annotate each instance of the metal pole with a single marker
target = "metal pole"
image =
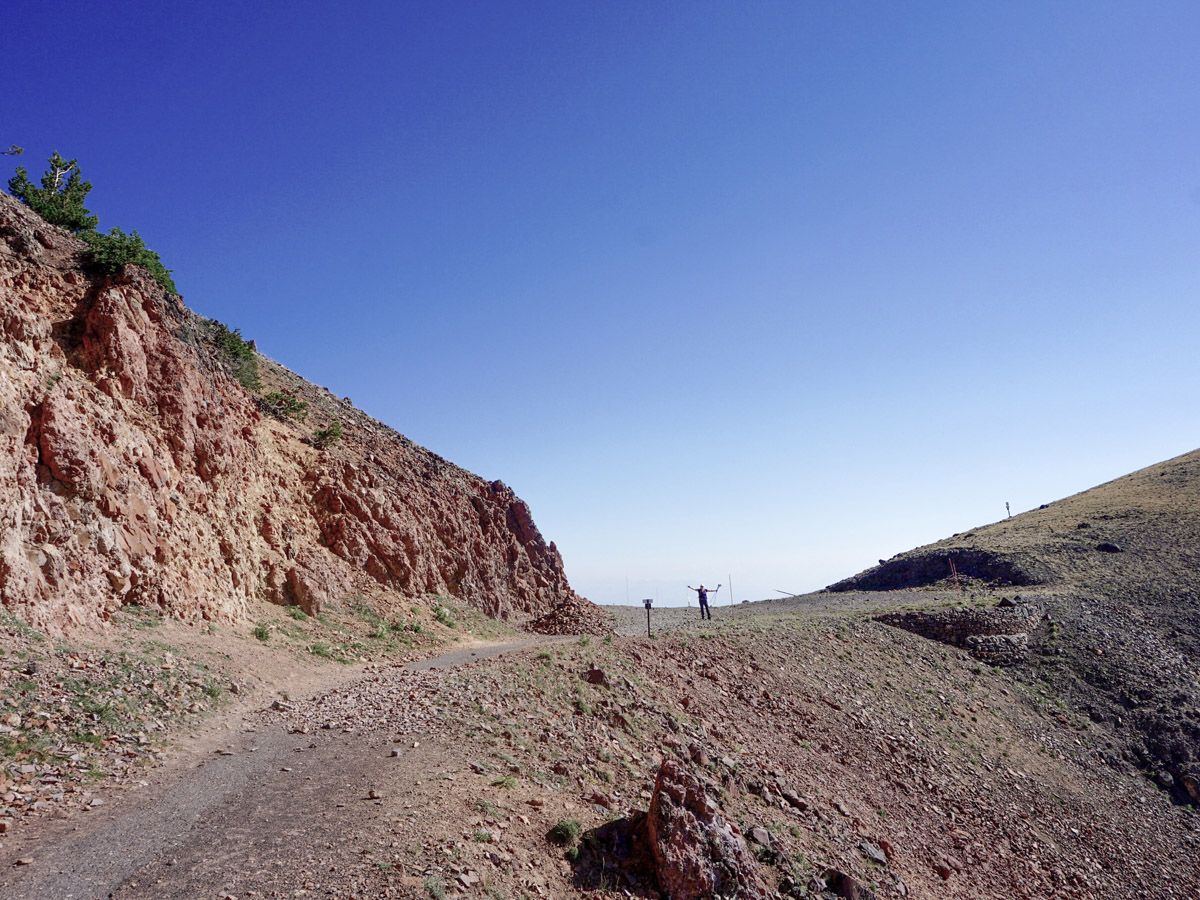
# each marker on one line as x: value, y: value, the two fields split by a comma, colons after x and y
x: 648, y: 634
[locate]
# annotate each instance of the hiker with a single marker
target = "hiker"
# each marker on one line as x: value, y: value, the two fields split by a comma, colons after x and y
x: 702, y: 593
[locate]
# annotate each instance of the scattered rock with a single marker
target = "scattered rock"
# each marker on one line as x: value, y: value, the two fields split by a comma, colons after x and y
x: 846, y: 886
x: 873, y: 852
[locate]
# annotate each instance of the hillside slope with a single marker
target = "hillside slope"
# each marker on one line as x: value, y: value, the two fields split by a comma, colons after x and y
x: 1102, y: 603
x: 134, y: 469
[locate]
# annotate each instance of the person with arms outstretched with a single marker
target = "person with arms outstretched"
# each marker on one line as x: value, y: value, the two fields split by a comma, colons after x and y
x: 702, y: 593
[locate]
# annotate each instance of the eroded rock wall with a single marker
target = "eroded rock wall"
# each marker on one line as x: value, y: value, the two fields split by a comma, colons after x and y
x: 133, y: 469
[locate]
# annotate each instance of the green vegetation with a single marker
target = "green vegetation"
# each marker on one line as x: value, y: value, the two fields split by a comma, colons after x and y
x: 297, y: 613
x: 435, y: 887
x: 19, y: 626
x: 60, y: 201
x: 112, y: 252
x: 237, y: 354
x: 262, y: 631
x: 61, y: 197
x: 444, y: 616
x: 507, y: 782
x: 284, y: 406
x: 566, y: 832
x: 327, y: 437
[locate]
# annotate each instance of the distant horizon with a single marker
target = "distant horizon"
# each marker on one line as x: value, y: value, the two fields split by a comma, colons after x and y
x: 769, y: 290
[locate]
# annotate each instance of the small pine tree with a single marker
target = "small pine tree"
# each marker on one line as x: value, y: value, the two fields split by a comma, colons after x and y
x: 60, y: 198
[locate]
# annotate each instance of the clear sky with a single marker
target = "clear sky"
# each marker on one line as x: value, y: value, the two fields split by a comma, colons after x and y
x: 762, y: 289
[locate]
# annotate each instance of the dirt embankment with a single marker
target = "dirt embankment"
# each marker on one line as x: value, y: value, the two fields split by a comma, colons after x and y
x: 136, y: 470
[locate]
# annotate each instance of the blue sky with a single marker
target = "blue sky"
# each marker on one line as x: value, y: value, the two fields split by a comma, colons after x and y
x: 761, y: 289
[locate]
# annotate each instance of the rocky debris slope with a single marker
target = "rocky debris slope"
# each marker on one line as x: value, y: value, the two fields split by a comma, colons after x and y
x: 851, y: 758
x: 1117, y: 572
x: 573, y: 617
x: 74, y: 720
x: 854, y: 760
x: 134, y: 469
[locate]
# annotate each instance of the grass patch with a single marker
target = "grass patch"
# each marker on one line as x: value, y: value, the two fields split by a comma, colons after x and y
x: 20, y: 627
x: 284, y: 406
x: 237, y: 354
x: 327, y: 437
x: 566, y: 832
x: 262, y: 631
x: 506, y: 782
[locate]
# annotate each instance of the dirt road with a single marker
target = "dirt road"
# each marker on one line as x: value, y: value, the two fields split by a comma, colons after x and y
x: 231, y: 814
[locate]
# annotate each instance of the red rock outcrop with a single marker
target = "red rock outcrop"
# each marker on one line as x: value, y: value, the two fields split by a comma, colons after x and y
x: 135, y: 470
x: 698, y: 854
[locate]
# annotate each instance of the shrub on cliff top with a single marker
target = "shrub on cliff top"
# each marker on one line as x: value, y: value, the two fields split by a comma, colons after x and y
x: 112, y: 252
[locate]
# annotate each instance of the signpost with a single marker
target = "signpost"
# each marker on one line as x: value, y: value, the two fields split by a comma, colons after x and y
x: 647, y: 603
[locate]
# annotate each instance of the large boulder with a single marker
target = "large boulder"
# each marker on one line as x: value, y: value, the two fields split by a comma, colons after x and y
x: 697, y: 852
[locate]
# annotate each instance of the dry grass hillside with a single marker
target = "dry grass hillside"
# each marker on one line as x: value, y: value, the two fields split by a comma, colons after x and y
x: 1109, y: 611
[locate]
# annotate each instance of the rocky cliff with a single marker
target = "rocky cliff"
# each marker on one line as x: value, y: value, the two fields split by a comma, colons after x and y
x: 134, y: 469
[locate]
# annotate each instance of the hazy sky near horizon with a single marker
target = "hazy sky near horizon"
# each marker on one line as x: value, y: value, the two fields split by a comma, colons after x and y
x: 762, y: 289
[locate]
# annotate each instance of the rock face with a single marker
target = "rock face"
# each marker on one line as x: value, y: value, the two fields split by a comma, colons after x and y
x: 135, y: 470
x: 697, y: 853
x: 923, y: 567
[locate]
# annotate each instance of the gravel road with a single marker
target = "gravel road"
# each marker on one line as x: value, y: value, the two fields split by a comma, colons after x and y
x: 270, y: 797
